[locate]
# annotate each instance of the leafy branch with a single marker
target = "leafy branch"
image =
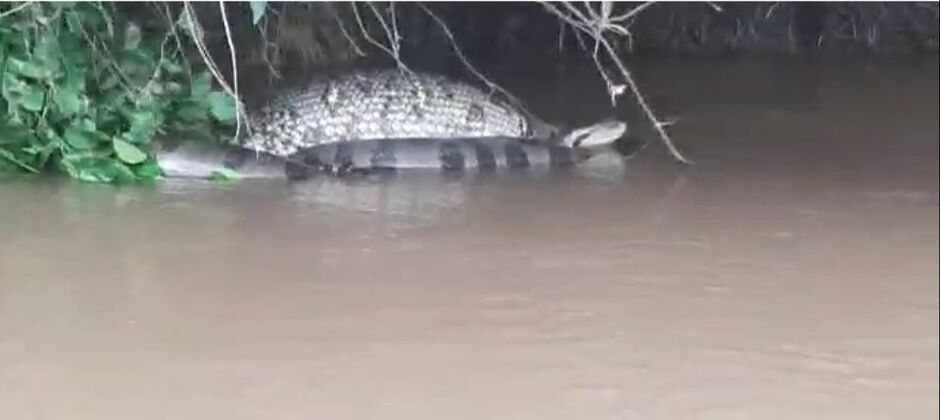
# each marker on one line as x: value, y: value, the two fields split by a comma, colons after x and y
x: 84, y: 91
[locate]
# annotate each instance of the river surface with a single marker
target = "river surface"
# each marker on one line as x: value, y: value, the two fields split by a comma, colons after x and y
x: 791, y: 273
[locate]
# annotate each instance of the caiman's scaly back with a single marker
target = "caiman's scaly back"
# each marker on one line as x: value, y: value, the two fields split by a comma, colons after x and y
x: 386, y: 104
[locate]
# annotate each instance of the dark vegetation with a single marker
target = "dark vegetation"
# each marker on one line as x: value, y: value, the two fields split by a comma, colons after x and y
x: 87, y: 86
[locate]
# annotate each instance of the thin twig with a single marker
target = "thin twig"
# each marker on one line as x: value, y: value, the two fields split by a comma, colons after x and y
x: 657, y: 124
x: 175, y: 24
x: 10, y: 157
x: 17, y: 8
x: 391, y: 34
x: 197, y: 32
x: 633, y: 12
x: 271, y: 50
x: 595, y: 26
x: 394, y: 19
x: 273, y: 73
x: 576, y: 12
x: 365, y: 33
x: 463, y: 59
x: 107, y: 57
x: 156, y: 69
x: 344, y: 31
x: 231, y: 47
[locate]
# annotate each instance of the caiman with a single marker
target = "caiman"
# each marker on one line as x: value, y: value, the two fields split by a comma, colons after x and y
x: 394, y: 104
x: 200, y: 159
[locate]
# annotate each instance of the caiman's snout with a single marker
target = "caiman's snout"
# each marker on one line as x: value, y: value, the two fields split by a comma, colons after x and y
x: 601, y: 134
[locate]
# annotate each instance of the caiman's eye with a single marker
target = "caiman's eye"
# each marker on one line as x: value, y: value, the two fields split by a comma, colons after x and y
x: 579, y: 139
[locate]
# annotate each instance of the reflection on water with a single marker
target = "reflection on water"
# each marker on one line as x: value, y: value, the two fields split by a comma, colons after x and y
x: 790, y: 273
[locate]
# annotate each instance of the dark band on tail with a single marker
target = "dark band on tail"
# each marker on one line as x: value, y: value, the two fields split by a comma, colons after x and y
x: 560, y: 156
x: 486, y: 159
x: 384, y: 155
x: 344, y: 157
x: 515, y: 155
x: 451, y: 156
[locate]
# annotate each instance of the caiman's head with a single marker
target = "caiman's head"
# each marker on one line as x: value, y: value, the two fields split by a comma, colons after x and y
x: 601, y: 134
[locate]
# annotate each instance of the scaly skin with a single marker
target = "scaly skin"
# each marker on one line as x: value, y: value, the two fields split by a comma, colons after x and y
x: 386, y: 104
x: 195, y: 159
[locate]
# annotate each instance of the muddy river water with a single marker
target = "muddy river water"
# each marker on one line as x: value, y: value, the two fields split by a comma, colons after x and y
x: 791, y: 273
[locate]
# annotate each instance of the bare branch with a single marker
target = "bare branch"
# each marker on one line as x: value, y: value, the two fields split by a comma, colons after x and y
x: 657, y: 124
x: 16, y: 8
x: 273, y: 72
x: 391, y: 35
x: 365, y: 34
x: 630, y: 14
x: 197, y: 35
x: 345, y: 32
x: 596, y: 25
x: 463, y: 59
x: 231, y: 47
x: 574, y: 10
x: 174, y: 24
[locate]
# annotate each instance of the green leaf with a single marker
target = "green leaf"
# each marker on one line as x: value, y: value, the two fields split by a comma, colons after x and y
x: 90, y: 16
x: 110, y: 82
x: 122, y: 173
x: 69, y: 100
x: 48, y: 53
x: 108, y: 120
x: 95, y: 169
x: 222, y: 106
x: 10, y: 157
x: 12, y: 132
x: 87, y: 168
x: 148, y: 170
x: 128, y: 153
x: 90, y: 111
x: 192, y: 112
x: 132, y: 37
x: 33, y: 99
x: 50, y: 142
x: 172, y: 67
x: 201, y: 86
x: 24, y: 68
x: 257, y: 11
x: 88, y: 125
x: 12, y: 87
x: 226, y: 174
x: 143, y: 126
x: 78, y: 138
